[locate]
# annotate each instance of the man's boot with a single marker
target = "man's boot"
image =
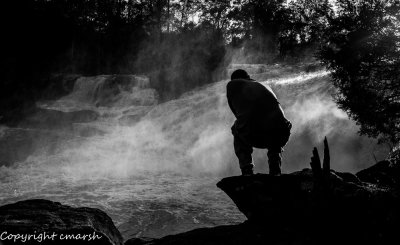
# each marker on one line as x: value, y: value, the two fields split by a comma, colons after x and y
x: 274, y: 162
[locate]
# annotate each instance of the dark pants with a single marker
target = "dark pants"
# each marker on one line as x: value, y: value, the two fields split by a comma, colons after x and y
x: 273, y: 140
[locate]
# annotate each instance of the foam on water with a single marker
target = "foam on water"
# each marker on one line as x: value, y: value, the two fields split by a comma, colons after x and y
x: 155, y: 167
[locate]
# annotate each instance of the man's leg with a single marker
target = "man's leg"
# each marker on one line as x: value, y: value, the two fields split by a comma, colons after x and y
x: 274, y: 160
x: 276, y: 148
x: 243, y: 152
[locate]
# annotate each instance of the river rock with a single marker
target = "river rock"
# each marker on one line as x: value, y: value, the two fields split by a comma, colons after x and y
x: 62, y: 224
x: 341, y: 209
x: 54, y: 119
x: 298, y: 208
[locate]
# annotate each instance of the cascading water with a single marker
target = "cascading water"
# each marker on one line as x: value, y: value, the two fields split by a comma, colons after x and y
x: 153, y: 167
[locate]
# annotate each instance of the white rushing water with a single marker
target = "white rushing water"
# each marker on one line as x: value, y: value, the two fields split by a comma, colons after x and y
x: 153, y: 167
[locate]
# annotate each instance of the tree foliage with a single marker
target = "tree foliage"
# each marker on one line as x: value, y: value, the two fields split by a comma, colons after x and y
x: 362, y: 48
x: 181, y: 44
x: 92, y: 37
x: 304, y: 25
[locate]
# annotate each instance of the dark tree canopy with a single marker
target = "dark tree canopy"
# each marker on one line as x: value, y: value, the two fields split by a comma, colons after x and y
x: 182, y: 44
x: 362, y: 48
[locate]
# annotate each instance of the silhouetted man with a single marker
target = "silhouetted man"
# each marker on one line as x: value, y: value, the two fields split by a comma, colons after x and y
x: 260, y: 122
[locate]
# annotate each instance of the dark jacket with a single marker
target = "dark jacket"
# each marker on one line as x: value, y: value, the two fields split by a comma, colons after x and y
x: 255, y: 107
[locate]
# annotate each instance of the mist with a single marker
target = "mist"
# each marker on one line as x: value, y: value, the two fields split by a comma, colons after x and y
x: 191, y: 135
x: 121, y: 105
x: 111, y: 144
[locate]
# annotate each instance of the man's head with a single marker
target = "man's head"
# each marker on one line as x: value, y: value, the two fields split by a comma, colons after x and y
x: 240, y: 74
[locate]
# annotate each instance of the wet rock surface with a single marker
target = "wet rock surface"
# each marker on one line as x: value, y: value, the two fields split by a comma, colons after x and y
x: 297, y: 208
x: 53, y: 119
x: 38, y: 217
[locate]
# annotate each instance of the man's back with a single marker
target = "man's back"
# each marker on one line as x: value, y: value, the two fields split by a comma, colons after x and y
x: 254, y: 105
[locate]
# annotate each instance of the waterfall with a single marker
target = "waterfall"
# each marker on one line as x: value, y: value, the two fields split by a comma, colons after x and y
x: 118, y: 149
x: 191, y: 135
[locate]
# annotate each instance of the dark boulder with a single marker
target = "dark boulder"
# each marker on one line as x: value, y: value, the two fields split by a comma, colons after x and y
x: 385, y: 173
x: 299, y: 208
x: 53, y: 223
x: 343, y: 208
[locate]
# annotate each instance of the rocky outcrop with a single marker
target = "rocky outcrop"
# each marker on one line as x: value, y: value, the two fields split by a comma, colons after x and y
x: 384, y: 173
x: 345, y: 209
x: 301, y: 208
x: 54, y: 119
x: 39, y: 221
